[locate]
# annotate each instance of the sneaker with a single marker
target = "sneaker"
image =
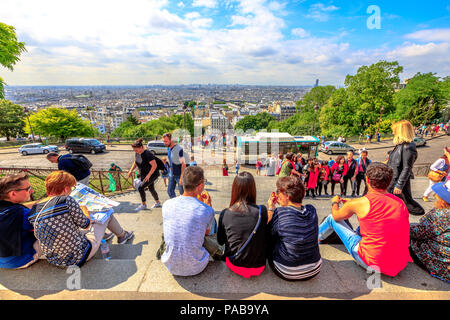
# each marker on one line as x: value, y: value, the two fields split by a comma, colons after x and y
x: 126, y: 237
x: 107, y: 236
x: 157, y: 205
x: 425, y: 199
x: 141, y: 207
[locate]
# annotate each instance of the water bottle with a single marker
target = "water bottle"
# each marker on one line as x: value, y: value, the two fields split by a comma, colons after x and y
x: 104, y: 248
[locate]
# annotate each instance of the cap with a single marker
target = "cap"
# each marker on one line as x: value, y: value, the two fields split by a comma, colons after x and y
x: 442, y: 190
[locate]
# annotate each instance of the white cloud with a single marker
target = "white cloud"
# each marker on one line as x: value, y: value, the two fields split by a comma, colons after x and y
x: 300, y: 32
x: 205, y: 3
x: 320, y: 12
x: 180, y: 4
x: 430, y: 35
x: 114, y: 43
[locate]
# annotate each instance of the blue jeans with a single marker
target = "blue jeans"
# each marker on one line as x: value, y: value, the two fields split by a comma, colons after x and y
x: 173, y: 182
x: 349, y: 237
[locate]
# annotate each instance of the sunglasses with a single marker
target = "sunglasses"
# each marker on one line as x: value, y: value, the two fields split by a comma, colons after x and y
x: 27, y: 189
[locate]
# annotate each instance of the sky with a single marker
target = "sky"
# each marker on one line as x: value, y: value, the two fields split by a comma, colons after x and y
x: 257, y: 42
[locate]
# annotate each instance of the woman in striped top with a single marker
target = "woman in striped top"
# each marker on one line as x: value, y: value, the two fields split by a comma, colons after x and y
x: 293, y: 250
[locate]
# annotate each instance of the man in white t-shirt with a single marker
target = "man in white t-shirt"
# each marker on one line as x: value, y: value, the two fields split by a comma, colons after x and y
x: 186, y: 221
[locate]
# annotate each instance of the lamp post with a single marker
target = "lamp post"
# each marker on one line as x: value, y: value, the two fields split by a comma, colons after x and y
x: 29, y: 123
x: 430, y: 104
x: 379, y: 121
x: 316, y: 107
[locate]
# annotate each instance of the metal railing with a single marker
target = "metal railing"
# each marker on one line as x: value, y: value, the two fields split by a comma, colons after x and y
x: 99, y: 180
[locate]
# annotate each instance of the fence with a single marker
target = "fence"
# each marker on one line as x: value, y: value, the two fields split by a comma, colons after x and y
x: 99, y: 180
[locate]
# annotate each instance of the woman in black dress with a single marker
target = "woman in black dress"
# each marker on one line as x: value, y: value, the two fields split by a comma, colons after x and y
x: 401, y: 160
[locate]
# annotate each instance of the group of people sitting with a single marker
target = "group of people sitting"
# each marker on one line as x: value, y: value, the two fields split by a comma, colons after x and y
x: 317, y: 174
x: 55, y: 227
x: 287, y: 235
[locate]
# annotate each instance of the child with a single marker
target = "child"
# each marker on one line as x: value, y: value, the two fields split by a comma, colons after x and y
x: 166, y: 165
x: 258, y: 167
x: 224, y: 168
x: 193, y: 163
x: 237, y: 166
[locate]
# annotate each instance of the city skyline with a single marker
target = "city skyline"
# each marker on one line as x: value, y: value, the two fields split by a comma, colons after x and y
x: 245, y: 42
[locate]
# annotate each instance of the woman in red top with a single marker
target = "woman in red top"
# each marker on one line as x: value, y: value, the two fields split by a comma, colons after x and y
x: 324, y: 177
x: 382, y: 240
x: 337, y: 173
x: 312, y: 175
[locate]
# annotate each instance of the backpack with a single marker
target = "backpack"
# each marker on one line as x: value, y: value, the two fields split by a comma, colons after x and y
x: 161, y: 167
x: 81, y: 162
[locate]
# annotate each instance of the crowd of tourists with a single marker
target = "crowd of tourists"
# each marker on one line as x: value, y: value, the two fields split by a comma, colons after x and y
x: 282, y: 232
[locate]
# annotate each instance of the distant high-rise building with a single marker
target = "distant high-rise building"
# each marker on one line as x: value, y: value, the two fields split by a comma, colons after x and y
x: 317, y: 83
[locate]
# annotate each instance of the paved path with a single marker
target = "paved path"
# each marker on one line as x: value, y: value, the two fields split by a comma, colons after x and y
x: 134, y: 272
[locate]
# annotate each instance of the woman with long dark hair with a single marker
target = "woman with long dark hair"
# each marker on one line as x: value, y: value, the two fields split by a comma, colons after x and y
x: 148, y: 173
x: 242, y: 228
x: 401, y: 160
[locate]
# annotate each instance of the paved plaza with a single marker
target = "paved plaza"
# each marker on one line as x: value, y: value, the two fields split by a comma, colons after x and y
x: 135, y: 273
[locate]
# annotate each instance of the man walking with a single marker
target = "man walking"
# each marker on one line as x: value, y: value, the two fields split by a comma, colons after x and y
x: 177, y: 165
x: 78, y: 167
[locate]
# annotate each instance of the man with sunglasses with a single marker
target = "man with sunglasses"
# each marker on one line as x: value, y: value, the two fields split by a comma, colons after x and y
x: 18, y: 245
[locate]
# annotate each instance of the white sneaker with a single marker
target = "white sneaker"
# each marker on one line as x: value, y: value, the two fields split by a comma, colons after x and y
x: 141, y: 207
x: 157, y: 205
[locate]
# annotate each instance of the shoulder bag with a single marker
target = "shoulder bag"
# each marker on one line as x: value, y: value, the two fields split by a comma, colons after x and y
x: 241, y: 249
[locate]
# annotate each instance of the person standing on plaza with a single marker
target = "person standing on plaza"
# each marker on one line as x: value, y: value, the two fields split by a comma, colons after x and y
x: 382, y: 240
x: 258, y: 167
x: 440, y: 169
x: 401, y: 160
x: 337, y: 174
x: 361, y: 167
x: 279, y: 162
x: 237, y: 166
x: 165, y: 176
x: 271, y: 165
x: 148, y: 173
x: 224, y: 168
x: 311, y: 178
x: 78, y: 166
x: 324, y: 177
x: 177, y: 165
x: 350, y: 176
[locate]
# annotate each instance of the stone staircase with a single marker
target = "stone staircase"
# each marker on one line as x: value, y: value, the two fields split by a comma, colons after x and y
x: 134, y: 272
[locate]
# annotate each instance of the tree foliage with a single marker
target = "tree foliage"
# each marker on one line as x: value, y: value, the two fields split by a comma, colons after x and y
x: 61, y: 123
x: 257, y: 122
x: 11, y: 119
x: 10, y: 50
x: 153, y: 128
x: 413, y: 102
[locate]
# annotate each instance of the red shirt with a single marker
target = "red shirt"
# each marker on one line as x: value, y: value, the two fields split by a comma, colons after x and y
x: 385, y: 234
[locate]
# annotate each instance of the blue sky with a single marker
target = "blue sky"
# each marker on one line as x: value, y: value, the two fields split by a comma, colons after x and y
x: 138, y: 42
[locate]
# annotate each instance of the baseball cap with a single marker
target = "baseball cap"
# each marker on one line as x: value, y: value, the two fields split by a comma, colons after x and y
x: 442, y: 190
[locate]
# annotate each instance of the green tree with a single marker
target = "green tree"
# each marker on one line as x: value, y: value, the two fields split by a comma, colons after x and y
x: 371, y: 88
x: 61, y: 123
x: 413, y: 101
x: 257, y: 122
x: 132, y: 119
x: 10, y: 50
x: 11, y: 119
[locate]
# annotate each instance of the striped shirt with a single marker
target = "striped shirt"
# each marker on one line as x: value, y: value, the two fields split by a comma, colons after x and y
x: 293, y: 236
x: 299, y: 272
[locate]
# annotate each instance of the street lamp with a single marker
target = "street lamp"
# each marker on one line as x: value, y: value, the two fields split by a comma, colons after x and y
x: 379, y: 122
x: 430, y: 104
x: 29, y: 123
x: 316, y: 108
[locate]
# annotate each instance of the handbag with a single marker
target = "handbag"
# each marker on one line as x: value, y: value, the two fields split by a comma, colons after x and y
x: 336, y: 177
x: 436, y: 176
x: 249, y: 238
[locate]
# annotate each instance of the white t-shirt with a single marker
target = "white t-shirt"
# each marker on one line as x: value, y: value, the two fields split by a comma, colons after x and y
x: 185, y: 221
